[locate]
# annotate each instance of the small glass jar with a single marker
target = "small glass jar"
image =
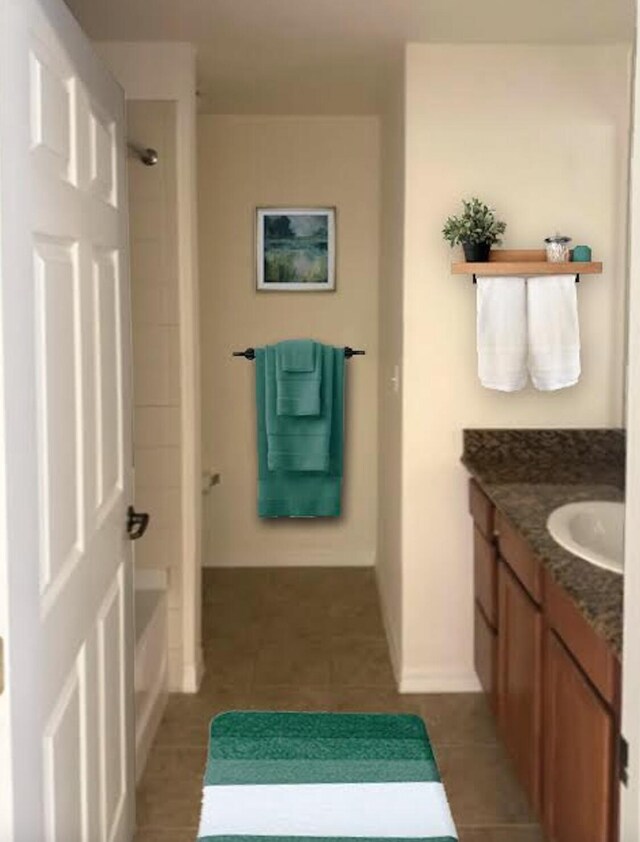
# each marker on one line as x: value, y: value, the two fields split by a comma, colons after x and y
x: 558, y: 249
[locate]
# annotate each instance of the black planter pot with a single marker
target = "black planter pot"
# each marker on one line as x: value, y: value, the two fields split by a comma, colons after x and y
x: 476, y: 252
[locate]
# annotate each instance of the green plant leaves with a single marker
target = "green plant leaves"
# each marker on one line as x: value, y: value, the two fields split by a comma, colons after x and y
x: 477, y: 224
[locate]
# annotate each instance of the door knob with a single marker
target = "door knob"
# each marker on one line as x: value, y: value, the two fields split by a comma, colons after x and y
x: 137, y: 523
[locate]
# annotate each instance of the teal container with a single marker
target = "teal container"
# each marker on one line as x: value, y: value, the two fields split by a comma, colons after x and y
x: 581, y: 254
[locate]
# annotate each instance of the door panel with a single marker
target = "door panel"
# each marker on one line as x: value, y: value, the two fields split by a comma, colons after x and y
x: 66, y: 759
x: 52, y: 89
x: 103, y: 157
x: 112, y: 701
x: 65, y: 433
x: 107, y: 379
x: 58, y: 405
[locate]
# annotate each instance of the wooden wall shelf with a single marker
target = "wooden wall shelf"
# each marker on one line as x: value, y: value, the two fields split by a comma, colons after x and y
x: 522, y: 263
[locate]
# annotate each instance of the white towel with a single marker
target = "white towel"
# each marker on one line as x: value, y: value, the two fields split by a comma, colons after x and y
x: 554, y: 333
x: 502, y: 333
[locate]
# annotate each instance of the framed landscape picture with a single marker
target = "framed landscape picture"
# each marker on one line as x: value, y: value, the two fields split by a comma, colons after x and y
x: 296, y: 249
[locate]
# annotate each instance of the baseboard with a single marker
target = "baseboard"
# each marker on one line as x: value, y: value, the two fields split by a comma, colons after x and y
x: 175, y: 673
x: 148, y: 722
x: 299, y: 558
x: 392, y: 642
x: 439, y: 681
x: 192, y: 674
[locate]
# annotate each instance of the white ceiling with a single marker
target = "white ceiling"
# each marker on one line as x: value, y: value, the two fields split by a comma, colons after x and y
x: 334, y: 56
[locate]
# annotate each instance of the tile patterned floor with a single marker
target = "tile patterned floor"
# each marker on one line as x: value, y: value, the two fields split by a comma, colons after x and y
x: 312, y: 639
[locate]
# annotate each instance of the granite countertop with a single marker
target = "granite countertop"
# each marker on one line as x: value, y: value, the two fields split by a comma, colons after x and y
x: 529, y: 473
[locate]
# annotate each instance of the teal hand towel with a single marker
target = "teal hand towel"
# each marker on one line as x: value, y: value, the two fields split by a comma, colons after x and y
x: 301, y: 493
x: 298, y: 377
x: 299, y: 443
x: 296, y: 355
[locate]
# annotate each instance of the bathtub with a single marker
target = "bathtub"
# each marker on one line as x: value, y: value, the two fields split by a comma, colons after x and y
x: 150, y: 666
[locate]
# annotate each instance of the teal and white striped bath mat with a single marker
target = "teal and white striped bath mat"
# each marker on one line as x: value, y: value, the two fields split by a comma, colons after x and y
x: 295, y: 777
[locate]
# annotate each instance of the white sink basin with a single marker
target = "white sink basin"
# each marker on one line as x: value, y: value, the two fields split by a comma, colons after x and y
x: 592, y: 530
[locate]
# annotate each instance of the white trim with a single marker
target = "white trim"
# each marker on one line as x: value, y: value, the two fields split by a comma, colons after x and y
x: 630, y: 794
x: 7, y: 795
x: 151, y: 679
x: 174, y: 669
x: 189, y: 377
x: 166, y: 71
x: 192, y: 674
x: 302, y: 558
x: 147, y: 727
x: 414, y: 809
x: 395, y: 651
x: 438, y: 681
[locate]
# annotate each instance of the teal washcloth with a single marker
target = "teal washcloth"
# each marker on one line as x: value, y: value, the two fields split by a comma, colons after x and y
x: 298, y: 377
x: 299, y: 443
x: 297, y: 355
x: 301, y: 493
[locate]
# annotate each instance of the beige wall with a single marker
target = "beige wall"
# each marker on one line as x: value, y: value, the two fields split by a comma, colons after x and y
x: 389, y: 564
x: 245, y: 162
x: 156, y: 355
x: 541, y: 134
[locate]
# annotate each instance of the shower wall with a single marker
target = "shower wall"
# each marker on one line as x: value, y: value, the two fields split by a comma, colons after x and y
x: 156, y: 347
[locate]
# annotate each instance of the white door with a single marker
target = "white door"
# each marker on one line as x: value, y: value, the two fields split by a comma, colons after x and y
x: 630, y: 790
x: 65, y: 437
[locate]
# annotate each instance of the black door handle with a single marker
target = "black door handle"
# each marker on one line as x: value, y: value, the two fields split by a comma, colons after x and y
x: 137, y: 523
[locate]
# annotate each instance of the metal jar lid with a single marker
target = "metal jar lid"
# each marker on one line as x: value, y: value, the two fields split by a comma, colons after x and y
x: 558, y: 238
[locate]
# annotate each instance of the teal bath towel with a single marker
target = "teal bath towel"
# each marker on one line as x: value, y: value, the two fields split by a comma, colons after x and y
x: 298, y: 377
x: 299, y: 443
x: 306, y: 493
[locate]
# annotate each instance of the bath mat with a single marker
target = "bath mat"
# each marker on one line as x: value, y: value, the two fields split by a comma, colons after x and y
x: 322, y: 777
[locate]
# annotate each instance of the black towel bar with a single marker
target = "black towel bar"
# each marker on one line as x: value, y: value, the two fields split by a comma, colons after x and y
x: 475, y: 277
x: 250, y: 353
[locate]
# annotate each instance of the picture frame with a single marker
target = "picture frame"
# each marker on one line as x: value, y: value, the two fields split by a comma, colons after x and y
x: 296, y: 249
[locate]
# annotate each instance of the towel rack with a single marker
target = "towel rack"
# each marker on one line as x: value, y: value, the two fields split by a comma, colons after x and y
x: 250, y: 353
x: 523, y: 263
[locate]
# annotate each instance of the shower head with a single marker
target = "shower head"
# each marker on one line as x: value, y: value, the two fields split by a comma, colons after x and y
x: 147, y: 155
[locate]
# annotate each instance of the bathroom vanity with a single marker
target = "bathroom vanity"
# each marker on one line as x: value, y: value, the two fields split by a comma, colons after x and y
x: 548, y: 625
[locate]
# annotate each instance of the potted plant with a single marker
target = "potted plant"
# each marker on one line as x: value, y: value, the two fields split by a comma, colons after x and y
x: 476, y: 229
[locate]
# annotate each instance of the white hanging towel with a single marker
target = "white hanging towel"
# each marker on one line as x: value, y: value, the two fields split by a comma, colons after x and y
x: 554, y: 332
x: 502, y: 333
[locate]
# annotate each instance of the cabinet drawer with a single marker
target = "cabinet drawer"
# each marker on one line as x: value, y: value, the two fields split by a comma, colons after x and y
x: 518, y: 555
x: 486, y: 656
x: 486, y: 576
x: 481, y: 509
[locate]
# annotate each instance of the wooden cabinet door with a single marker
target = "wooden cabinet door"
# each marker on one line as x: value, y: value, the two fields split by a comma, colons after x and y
x: 520, y: 680
x: 579, y: 753
x: 485, y: 655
